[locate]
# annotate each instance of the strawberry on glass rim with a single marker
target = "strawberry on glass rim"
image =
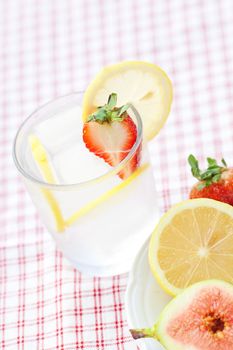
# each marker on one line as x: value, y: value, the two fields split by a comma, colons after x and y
x: 216, y: 182
x: 110, y: 134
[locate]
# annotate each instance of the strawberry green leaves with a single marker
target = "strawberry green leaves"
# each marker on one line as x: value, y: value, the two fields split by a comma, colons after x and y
x: 211, y: 175
x: 112, y: 100
x: 109, y: 112
x: 194, y: 166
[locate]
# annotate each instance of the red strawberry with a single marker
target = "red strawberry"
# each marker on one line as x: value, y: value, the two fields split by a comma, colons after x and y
x: 110, y: 133
x: 216, y: 182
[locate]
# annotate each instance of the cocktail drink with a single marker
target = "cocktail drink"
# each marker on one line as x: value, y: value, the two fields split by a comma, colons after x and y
x: 94, y: 190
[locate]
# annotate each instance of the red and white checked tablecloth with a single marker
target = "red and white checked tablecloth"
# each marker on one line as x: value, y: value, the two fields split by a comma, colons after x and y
x: 50, y: 48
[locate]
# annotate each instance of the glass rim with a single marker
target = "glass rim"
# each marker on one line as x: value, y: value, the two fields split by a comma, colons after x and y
x: 91, y: 181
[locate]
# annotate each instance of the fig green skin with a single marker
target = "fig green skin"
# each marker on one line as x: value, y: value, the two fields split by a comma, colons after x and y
x: 174, y: 307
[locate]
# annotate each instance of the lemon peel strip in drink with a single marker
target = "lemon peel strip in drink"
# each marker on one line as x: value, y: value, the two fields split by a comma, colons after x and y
x: 40, y: 156
x: 105, y: 196
x: 41, y: 159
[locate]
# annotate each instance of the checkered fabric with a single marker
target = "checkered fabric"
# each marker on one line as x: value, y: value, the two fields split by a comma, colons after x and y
x: 50, y: 48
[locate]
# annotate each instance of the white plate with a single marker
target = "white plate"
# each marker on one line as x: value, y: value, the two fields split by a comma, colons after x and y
x: 144, y: 298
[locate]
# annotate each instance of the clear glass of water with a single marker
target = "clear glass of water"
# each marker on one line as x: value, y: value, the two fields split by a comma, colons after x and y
x: 97, y: 220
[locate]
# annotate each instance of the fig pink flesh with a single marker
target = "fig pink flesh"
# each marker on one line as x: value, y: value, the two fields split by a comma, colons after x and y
x: 207, y: 323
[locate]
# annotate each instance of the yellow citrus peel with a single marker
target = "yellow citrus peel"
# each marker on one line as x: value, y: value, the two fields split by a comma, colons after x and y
x: 41, y: 159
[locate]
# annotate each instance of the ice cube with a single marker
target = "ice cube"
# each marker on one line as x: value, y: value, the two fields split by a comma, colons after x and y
x: 77, y: 164
x: 60, y: 130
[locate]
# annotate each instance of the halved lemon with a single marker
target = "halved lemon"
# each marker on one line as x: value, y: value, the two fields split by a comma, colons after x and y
x: 192, y: 242
x: 143, y: 84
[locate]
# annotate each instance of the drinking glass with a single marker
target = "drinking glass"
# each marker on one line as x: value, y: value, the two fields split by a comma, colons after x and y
x: 97, y: 220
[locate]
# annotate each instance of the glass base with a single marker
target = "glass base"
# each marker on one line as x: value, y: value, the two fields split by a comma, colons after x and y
x: 120, y: 267
x: 103, y: 271
x: 123, y: 263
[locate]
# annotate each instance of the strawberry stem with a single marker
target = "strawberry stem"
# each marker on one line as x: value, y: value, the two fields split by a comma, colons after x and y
x: 209, y: 176
x: 109, y: 112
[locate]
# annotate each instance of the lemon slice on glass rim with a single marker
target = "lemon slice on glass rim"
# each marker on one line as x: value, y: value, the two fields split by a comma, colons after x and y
x: 192, y: 242
x: 143, y: 84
